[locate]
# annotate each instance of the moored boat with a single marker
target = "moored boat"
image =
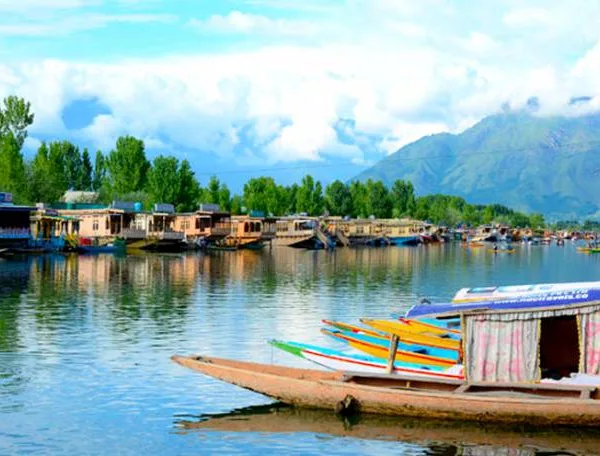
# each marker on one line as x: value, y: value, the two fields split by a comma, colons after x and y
x: 379, y: 347
x: 571, y: 405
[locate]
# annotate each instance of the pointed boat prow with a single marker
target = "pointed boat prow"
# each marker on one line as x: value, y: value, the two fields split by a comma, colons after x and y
x: 539, y: 404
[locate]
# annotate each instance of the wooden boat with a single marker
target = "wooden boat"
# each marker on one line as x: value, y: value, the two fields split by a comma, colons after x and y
x: 337, y: 360
x: 282, y: 418
x: 473, y: 245
x: 347, y: 392
x: 95, y: 249
x: 426, y: 339
x: 379, y: 347
x: 507, y: 251
x: 354, y: 328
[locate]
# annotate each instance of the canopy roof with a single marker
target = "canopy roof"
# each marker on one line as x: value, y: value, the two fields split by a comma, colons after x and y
x: 553, y: 300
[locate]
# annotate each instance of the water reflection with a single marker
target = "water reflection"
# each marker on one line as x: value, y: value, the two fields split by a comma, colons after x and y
x: 88, y: 339
x: 441, y: 438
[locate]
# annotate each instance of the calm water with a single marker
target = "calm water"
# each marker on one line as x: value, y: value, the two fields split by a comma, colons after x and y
x: 85, y: 345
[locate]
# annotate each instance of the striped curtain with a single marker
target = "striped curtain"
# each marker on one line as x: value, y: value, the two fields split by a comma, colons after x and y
x: 502, y: 350
x: 589, y: 325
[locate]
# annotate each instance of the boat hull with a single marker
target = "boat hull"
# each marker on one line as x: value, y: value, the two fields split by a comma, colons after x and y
x: 341, y: 361
x: 404, y: 240
x: 332, y: 391
x: 379, y: 347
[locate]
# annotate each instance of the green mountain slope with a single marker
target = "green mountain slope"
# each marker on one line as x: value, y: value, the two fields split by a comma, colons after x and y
x: 543, y: 164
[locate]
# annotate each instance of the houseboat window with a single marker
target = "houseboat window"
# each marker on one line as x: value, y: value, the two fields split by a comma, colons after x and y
x: 95, y: 225
x: 246, y: 227
x: 197, y: 223
x: 559, y: 347
x: 107, y: 224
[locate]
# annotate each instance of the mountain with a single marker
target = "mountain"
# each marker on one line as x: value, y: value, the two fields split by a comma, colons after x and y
x: 529, y: 163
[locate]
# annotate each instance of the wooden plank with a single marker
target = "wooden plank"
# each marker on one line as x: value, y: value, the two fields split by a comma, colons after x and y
x: 539, y: 386
x: 349, y: 375
x: 462, y: 388
x: 392, y: 353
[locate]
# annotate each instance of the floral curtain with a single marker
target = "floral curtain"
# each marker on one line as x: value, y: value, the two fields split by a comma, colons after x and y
x: 589, y: 325
x: 502, y: 350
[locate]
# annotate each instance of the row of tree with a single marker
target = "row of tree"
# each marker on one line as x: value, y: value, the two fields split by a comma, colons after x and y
x: 125, y: 173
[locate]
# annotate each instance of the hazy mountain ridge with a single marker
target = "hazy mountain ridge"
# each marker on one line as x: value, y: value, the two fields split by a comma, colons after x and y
x: 542, y: 164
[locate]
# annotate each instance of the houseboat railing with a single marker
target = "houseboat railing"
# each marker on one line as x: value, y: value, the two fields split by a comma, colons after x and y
x: 14, y: 233
x: 133, y: 233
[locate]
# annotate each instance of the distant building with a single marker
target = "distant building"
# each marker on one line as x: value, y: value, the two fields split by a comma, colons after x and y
x: 73, y: 197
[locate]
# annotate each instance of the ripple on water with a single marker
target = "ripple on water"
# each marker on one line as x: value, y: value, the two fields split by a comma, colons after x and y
x: 85, y: 344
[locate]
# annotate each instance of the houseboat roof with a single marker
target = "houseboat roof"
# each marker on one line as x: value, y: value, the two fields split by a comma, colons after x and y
x: 8, y: 207
x: 552, y: 301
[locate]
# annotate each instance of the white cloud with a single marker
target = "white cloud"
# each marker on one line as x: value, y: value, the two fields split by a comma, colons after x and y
x: 531, y: 16
x: 82, y: 22
x: 388, y: 72
x: 244, y: 23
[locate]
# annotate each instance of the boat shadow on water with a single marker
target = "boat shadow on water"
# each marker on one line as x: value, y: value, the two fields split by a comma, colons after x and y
x: 439, y: 437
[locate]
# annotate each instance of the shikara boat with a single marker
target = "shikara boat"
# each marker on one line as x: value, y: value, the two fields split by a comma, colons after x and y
x: 379, y: 347
x: 338, y: 360
x: 498, y: 251
x: 351, y: 392
x: 427, y: 339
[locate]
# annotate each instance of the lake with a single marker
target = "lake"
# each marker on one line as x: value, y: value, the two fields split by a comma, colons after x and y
x: 85, y: 343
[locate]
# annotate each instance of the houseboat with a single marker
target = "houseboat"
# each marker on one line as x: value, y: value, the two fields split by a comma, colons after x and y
x: 402, y: 232
x: 246, y: 233
x: 356, y: 232
x: 301, y: 232
x: 51, y: 230
x: 14, y: 224
x: 101, y: 225
x: 207, y: 226
x: 155, y: 230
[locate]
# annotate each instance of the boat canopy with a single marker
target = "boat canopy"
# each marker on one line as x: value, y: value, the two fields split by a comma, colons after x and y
x: 501, y: 292
x: 528, y: 339
x: 569, y: 297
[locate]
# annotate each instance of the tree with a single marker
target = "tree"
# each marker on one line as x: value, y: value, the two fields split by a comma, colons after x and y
x: 358, y: 191
x: 85, y: 175
x: 317, y: 201
x: 99, y: 178
x: 421, y: 211
x: 224, y: 198
x: 189, y: 188
x: 537, y: 221
x: 488, y: 215
x: 262, y: 194
x: 403, y: 198
x: 212, y: 191
x: 40, y: 185
x: 12, y: 168
x: 338, y: 199
x: 378, y: 199
x: 127, y: 166
x: 304, y: 196
x: 291, y: 193
x: 15, y: 117
x: 236, y: 205
x: 163, y: 183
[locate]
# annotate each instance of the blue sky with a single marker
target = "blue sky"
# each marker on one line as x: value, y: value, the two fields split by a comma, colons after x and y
x: 327, y: 87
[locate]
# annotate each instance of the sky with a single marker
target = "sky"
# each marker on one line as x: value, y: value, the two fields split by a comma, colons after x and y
x: 243, y: 88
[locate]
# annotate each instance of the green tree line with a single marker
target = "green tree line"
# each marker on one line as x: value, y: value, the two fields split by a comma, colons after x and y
x: 125, y: 173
